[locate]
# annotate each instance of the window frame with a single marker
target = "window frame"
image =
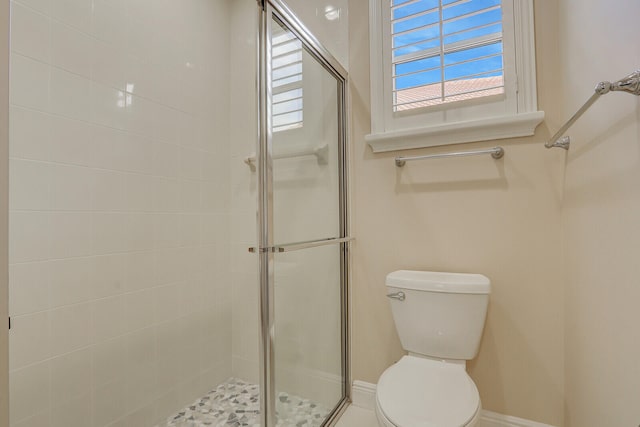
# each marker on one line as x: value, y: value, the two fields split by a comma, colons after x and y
x: 513, y: 114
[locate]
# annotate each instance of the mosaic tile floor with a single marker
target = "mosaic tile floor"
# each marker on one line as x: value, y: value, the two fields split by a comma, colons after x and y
x: 235, y: 403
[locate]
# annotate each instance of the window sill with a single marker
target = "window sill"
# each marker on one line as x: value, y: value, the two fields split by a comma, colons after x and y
x: 502, y: 127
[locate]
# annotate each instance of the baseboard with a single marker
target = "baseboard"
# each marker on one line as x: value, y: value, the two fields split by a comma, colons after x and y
x: 363, y: 395
x: 494, y: 419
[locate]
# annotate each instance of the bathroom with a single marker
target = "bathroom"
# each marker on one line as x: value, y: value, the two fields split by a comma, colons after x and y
x: 552, y: 229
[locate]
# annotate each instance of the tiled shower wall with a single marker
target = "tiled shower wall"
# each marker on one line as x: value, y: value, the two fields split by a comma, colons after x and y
x: 119, y: 209
x: 244, y: 186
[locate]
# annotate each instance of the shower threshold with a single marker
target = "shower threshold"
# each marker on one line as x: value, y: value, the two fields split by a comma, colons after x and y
x: 236, y: 403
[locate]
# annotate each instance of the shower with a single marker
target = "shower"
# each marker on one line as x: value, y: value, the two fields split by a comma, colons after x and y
x: 178, y: 217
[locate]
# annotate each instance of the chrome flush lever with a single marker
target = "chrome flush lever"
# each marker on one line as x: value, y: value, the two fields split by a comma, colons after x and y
x: 398, y: 295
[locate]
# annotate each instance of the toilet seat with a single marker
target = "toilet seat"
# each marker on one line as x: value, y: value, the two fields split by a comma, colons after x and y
x: 417, y: 392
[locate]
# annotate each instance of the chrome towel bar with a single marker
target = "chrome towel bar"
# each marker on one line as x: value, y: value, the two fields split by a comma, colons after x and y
x: 321, y: 153
x: 629, y: 84
x: 302, y: 245
x: 496, y: 153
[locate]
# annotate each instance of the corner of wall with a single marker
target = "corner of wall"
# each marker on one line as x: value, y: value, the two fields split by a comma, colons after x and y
x: 4, y: 197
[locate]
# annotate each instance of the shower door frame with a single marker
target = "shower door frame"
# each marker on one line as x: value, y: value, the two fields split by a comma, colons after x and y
x: 266, y: 245
x: 4, y: 213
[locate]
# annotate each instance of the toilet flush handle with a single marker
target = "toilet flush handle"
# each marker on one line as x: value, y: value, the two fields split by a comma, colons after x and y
x: 397, y: 295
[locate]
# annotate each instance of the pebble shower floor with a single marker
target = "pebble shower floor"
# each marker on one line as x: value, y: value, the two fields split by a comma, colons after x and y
x: 235, y: 403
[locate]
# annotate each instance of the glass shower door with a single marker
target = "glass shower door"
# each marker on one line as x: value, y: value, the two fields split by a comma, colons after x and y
x: 304, y: 231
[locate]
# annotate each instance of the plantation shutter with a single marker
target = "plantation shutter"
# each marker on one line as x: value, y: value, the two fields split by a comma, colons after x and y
x: 445, y: 51
x: 286, y: 81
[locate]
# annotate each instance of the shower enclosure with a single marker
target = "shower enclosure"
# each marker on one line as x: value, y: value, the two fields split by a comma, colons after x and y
x: 177, y: 217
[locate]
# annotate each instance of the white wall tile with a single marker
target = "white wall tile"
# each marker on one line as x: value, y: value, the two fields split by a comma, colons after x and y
x: 29, y: 340
x: 70, y: 328
x: 166, y: 230
x: 212, y: 227
x: 165, y: 299
x: 29, y: 236
x: 76, y: 13
x: 71, y: 234
x: 146, y: 79
x: 70, y: 141
x: 107, y: 64
x: 107, y: 15
x: 108, y: 190
x: 29, y: 141
x: 108, y: 318
x: 167, y: 195
x: 109, y: 232
x: 30, y: 185
x: 190, y: 229
x: 139, y: 35
x: 139, y: 270
x: 28, y: 287
x: 190, y: 164
x: 43, y: 6
x: 107, y: 255
x: 70, y: 281
x: 70, y: 95
x: 28, y: 385
x: 191, y: 199
x: 72, y: 188
x: 41, y: 419
x: 139, y: 192
x: 108, y: 361
x: 140, y: 349
x: 71, y: 49
x: 168, y: 265
x: 108, y: 275
x: 109, y: 106
x: 70, y: 376
x: 139, y: 154
x: 108, y: 148
x: 108, y: 403
x: 188, y: 130
x: 76, y: 412
x: 166, y: 159
x: 243, y: 227
x: 144, y: 415
x: 139, y: 309
x: 140, y: 232
x: 29, y: 83
x: 30, y: 33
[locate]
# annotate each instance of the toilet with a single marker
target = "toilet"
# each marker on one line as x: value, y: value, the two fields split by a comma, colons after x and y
x: 439, y: 318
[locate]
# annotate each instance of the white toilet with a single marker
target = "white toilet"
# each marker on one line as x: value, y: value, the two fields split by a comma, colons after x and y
x: 439, y: 318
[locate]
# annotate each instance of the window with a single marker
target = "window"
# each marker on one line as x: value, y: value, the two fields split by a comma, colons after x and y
x: 287, y: 81
x: 451, y: 71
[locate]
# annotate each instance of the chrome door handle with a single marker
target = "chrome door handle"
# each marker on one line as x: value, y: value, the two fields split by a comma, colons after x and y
x: 397, y: 295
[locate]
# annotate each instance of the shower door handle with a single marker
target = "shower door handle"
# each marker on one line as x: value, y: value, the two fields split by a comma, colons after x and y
x: 302, y: 245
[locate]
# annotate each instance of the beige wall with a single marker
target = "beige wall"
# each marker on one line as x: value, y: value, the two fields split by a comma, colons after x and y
x: 498, y: 218
x: 4, y: 199
x: 601, y: 214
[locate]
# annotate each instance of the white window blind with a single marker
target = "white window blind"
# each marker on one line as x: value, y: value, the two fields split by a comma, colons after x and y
x: 286, y: 81
x: 445, y: 51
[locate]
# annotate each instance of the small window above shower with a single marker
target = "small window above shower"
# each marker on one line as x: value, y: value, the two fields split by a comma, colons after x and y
x: 287, y: 106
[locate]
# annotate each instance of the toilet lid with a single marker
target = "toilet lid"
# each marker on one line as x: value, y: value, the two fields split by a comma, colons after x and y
x: 418, y: 392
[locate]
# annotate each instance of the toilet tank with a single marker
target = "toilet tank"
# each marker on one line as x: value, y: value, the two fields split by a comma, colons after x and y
x: 442, y: 314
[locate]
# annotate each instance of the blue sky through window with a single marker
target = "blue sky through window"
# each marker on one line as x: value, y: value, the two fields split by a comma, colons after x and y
x: 471, y: 35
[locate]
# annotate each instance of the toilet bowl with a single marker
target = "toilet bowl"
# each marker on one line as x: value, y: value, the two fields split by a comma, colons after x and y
x: 420, y: 392
x: 439, y: 318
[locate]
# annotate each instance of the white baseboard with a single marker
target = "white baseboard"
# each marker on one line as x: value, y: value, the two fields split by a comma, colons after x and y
x: 493, y: 419
x: 363, y: 395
